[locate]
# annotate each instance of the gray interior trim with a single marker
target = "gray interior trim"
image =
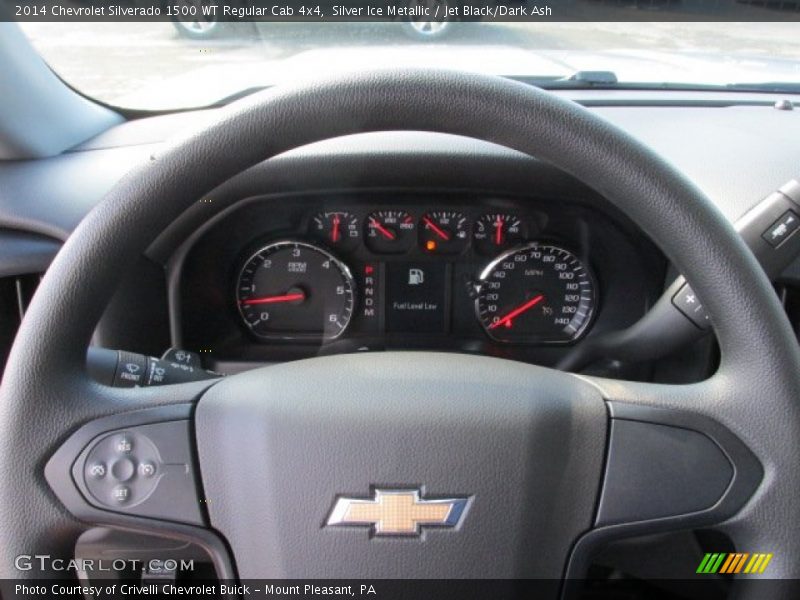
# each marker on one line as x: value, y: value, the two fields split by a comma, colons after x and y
x: 41, y: 116
x: 736, y: 155
x: 159, y: 127
x: 25, y: 253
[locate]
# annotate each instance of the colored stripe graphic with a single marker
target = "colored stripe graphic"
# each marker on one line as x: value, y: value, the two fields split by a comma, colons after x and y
x: 767, y: 558
x: 740, y: 563
x: 726, y: 566
x: 703, y: 563
x: 711, y: 563
x: 737, y: 562
x: 717, y: 563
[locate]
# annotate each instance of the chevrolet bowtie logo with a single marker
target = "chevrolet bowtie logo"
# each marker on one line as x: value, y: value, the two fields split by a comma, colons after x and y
x: 397, y: 512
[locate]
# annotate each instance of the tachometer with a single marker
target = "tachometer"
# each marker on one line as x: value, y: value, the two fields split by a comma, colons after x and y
x: 536, y: 293
x: 295, y: 290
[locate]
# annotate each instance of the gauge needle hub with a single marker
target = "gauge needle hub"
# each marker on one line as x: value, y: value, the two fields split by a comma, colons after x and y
x: 294, y: 297
x: 517, y: 311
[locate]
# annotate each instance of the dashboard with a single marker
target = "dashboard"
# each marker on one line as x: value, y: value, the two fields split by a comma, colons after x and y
x: 521, y: 277
x: 399, y: 241
x: 736, y: 147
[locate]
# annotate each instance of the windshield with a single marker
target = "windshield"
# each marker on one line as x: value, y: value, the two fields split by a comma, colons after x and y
x: 172, y: 65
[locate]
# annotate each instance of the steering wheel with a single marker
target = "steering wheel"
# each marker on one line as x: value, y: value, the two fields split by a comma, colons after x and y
x: 266, y: 469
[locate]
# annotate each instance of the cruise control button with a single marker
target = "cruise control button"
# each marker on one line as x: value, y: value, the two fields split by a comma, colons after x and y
x: 143, y: 470
x: 123, y: 469
x: 121, y: 494
x: 147, y: 469
x: 124, y: 445
x: 96, y: 470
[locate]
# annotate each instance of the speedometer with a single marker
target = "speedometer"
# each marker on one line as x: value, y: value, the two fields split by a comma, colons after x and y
x: 536, y: 293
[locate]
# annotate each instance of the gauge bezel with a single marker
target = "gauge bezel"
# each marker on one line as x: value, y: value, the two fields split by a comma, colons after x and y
x: 486, y: 247
x: 537, y: 340
x: 405, y: 241
x: 463, y: 244
x: 346, y: 244
x: 310, y: 337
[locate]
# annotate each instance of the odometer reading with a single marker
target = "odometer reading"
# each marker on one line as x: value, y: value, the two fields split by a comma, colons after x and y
x: 295, y: 290
x: 536, y: 293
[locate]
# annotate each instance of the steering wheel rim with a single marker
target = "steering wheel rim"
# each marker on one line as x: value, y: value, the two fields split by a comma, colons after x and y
x: 46, y: 394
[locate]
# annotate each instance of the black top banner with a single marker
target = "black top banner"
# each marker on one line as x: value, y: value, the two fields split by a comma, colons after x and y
x: 397, y: 10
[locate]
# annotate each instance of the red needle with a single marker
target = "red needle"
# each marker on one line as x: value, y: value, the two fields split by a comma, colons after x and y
x: 274, y: 299
x: 498, y: 236
x: 385, y: 232
x: 518, y: 311
x: 436, y: 229
x: 335, y: 231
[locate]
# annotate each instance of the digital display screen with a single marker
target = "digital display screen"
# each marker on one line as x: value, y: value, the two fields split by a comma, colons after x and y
x: 416, y: 297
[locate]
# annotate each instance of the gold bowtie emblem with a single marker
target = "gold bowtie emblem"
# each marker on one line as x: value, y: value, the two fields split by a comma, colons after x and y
x: 397, y: 512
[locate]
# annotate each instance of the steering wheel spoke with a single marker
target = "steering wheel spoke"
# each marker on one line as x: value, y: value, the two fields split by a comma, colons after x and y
x: 134, y: 467
x: 686, y: 457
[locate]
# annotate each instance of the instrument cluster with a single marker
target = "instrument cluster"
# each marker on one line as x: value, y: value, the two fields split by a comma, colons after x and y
x: 356, y: 272
x: 530, y: 291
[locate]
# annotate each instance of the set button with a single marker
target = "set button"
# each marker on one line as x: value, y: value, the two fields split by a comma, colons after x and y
x: 121, y: 494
